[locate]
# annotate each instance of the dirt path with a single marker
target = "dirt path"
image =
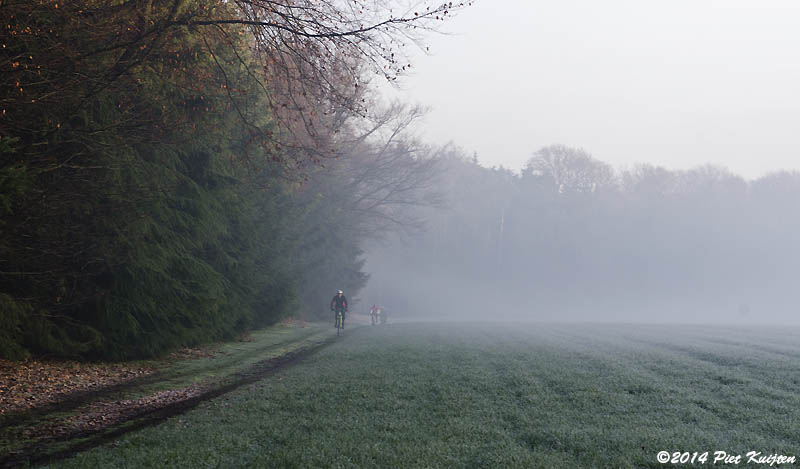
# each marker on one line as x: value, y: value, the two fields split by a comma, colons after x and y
x: 103, y: 421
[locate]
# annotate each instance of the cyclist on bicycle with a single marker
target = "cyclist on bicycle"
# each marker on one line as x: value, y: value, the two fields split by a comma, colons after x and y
x: 374, y: 312
x: 339, y: 304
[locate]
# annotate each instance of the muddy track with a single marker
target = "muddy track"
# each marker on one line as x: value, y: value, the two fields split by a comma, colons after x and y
x: 78, y: 399
x: 69, y: 444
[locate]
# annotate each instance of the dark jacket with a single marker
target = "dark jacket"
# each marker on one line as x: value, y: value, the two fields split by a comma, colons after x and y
x: 339, y: 303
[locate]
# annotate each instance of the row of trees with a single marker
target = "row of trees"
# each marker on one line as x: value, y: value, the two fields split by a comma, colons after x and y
x: 178, y: 171
x: 570, y: 237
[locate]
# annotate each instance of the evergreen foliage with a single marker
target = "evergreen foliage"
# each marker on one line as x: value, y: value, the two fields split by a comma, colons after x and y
x: 149, y: 175
x: 128, y: 225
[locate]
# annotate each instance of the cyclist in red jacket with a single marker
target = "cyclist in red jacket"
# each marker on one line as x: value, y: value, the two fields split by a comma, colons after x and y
x: 374, y: 312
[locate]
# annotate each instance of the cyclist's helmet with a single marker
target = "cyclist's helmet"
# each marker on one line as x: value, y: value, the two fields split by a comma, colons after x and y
x: 340, y: 291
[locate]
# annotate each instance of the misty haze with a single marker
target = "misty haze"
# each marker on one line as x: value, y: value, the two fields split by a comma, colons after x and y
x: 395, y: 233
x: 571, y: 238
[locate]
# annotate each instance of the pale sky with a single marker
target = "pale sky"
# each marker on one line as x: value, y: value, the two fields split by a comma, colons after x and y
x: 675, y: 83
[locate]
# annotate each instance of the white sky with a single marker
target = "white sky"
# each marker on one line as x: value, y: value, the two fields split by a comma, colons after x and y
x: 676, y: 83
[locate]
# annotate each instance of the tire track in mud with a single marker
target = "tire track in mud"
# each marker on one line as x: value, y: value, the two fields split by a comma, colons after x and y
x: 41, y: 451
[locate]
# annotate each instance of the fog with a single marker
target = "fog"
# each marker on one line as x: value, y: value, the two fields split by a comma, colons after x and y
x: 676, y: 84
x: 672, y: 199
x: 570, y: 238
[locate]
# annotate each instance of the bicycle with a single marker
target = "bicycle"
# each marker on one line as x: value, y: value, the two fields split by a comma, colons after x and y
x: 339, y: 322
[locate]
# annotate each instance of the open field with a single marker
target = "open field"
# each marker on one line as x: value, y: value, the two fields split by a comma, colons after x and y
x: 495, y: 395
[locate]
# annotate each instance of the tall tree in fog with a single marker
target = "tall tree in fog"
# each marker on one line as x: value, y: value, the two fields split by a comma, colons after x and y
x: 569, y: 170
x: 150, y: 159
x: 581, y: 241
x: 387, y: 178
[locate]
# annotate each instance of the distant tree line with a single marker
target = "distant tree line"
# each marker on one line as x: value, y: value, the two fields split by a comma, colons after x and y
x: 570, y: 237
x: 174, y: 171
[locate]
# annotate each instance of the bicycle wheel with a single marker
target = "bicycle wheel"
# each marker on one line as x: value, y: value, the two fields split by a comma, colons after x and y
x: 339, y: 323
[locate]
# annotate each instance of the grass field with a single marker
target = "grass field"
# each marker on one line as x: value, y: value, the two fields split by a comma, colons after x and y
x: 495, y: 395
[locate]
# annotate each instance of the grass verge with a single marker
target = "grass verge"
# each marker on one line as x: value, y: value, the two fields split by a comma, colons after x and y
x: 428, y: 395
x: 180, y: 381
